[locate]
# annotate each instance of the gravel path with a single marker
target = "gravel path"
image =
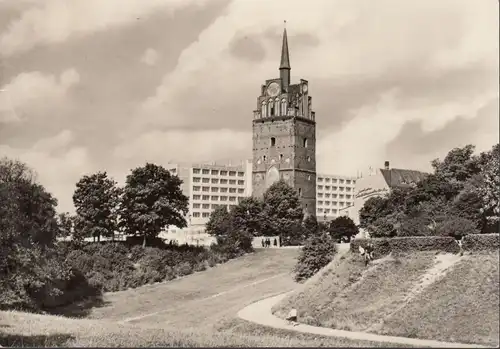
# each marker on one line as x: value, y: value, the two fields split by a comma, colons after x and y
x: 260, y: 313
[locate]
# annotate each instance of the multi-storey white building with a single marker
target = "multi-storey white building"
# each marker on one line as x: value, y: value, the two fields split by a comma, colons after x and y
x: 209, y: 185
x: 334, y: 196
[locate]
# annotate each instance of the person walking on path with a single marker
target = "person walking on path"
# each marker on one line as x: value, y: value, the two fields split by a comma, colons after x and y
x: 262, y: 242
x: 275, y: 242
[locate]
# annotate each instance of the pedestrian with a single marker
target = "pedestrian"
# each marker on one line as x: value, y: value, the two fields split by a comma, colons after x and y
x: 292, y: 317
x: 275, y: 242
x: 262, y: 242
x: 268, y: 242
x: 367, y: 252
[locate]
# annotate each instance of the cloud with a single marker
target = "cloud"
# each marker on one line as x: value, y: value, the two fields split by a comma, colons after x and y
x: 28, y: 92
x: 150, y: 57
x: 379, y: 133
x: 58, y: 165
x: 55, y: 21
x: 184, y: 146
x: 372, y: 66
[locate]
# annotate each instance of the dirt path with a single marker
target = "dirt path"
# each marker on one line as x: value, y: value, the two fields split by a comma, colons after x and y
x: 260, y: 313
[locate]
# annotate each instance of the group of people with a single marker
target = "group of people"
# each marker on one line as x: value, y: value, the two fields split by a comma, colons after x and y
x: 267, y: 242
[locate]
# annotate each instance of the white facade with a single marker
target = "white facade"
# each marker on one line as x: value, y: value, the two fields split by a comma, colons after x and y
x: 334, y: 196
x: 209, y: 185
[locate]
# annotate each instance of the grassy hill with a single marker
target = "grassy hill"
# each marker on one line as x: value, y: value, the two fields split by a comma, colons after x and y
x: 419, y: 294
x: 198, y: 310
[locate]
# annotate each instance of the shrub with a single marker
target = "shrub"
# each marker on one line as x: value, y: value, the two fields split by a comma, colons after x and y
x: 184, y: 268
x: 456, y: 227
x: 316, y: 254
x: 384, y: 246
x: 481, y: 242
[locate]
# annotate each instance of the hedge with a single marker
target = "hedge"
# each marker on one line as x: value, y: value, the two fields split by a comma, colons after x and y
x: 383, y: 246
x: 481, y: 242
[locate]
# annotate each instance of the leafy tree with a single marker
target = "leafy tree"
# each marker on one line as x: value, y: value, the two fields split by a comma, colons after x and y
x: 33, y: 209
x: 282, y: 209
x: 152, y: 200
x: 383, y: 227
x: 248, y: 216
x: 318, y: 251
x: 456, y: 227
x: 374, y: 208
x: 219, y: 222
x: 66, y: 223
x: 342, y: 227
x: 458, y: 166
x: 489, y: 183
x: 311, y: 225
x: 96, y: 200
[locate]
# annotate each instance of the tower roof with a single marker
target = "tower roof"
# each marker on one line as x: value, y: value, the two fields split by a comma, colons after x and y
x: 285, y: 56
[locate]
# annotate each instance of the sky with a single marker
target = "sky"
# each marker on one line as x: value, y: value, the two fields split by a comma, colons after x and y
x: 91, y: 85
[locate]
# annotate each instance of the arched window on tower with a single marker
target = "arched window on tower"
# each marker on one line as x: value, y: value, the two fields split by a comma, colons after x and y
x: 277, y: 106
x: 305, y: 143
x: 263, y: 112
x: 270, y: 108
x: 283, y: 107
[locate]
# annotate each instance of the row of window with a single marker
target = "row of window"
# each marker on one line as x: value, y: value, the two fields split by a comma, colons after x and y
x: 219, y: 190
x: 218, y: 181
x: 335, y: 180
x: 206, y: 171
x: 327, y: 211
x: 333, y: 203
x: 304, y: 142
x: 197, y: 214
x: 214, y: 198
x: 327, y: 187
x: 334, y: 196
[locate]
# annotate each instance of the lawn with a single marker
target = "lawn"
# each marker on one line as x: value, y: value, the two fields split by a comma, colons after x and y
x: 203, y: 298
x: 406, y: 295
x: 195, y: 311
x: 31, y: 330
x: 463, y: 306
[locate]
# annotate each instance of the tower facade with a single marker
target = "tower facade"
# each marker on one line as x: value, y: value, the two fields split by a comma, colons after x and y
x: 284, y: 136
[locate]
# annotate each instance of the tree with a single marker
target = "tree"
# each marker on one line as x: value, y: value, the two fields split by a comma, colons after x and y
x: 374, y: 208
x: 219, y: 222
x: 311, y: 226
x: 282, y: 209
x: 318, y: 251
x: 342, y: 227
x: 152, y: 200
x: 489, y: 182
x: 458, y: 165
x: 96, y: 200
x: 248, y: 216
x: 32, y: 208
x: 66, y: 223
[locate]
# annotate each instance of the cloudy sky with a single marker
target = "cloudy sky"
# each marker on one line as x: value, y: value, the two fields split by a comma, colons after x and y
x: 93, y: 85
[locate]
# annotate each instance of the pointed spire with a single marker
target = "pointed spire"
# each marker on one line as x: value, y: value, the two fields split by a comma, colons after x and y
x: 285, y: 56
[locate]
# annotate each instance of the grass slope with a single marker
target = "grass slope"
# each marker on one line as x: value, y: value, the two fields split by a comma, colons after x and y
x: 197, y: 310
x: 399, y: 295
x: 463, y: 306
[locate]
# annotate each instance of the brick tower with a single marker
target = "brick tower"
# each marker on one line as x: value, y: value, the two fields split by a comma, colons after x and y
x: 284, y: 136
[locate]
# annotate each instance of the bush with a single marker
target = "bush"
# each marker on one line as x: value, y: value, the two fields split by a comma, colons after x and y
x: 456, y: 227
x: 481, y: 242
x: 384, y: 246
x: 317, y: 252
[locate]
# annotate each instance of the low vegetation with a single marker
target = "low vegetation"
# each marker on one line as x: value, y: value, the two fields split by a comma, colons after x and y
x: 459, y: 198
x: 414, y: 290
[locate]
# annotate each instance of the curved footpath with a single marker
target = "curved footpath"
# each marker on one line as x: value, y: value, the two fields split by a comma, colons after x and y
x: 260, y: 313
